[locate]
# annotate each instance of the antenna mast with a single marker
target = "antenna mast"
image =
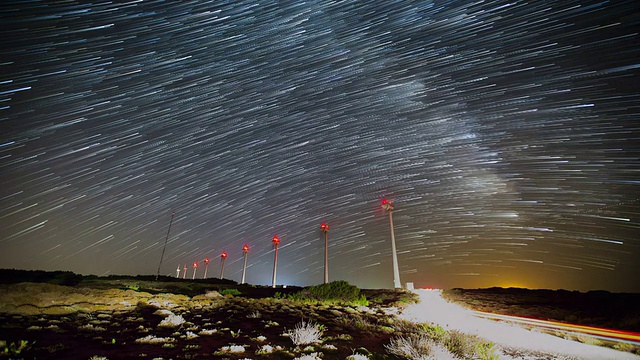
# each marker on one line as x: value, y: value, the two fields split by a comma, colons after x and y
x: 165, y: 244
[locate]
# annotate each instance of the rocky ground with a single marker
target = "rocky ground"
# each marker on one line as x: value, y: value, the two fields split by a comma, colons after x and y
x: 125, y: 318
x: 52, y: 321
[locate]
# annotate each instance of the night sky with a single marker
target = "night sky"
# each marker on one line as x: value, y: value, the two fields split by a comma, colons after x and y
x: 506, y: 133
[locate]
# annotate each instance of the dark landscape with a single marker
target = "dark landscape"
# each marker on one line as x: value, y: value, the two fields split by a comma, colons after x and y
x: 63, y: 315
x: 594, y: 308
x: 248, y: 179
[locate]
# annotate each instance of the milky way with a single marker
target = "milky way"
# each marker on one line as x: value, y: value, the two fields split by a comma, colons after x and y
x: 505, y: 133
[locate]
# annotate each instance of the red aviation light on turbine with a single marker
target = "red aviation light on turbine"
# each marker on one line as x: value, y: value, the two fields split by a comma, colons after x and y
x: 224, y: 254
x: 384, y: 201
x: 245, y: 248
x: 324, y: 227
x: 206, y: 260
x: 195, y: 264
x: 276, y: 239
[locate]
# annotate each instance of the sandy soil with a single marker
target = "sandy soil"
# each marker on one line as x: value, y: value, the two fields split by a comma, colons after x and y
x: 433, y: 308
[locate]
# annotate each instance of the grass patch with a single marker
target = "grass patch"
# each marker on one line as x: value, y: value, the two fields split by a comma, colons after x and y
x: 335, y: 292
x: 232, y: 292
x: 433, y: 342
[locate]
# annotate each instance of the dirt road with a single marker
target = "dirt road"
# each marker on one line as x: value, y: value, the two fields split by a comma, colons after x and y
x: 433, y: 308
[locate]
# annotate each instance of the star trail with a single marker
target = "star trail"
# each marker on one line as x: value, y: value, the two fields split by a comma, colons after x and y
x: 506, y: 133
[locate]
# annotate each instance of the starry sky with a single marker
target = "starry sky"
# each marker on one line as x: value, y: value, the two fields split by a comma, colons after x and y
x: 506, y: 133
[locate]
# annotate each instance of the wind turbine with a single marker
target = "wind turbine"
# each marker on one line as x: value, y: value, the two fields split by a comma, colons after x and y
x: 388, y: 206
x: 223, y: 258
x: 325, y: 229
x: 276, y: 242
x: 206, y: 267
x: 245, y: 250
x: 195, y: 267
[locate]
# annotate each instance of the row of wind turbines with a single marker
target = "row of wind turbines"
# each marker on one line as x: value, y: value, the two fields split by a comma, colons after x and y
x: 223, y: 258
x: 324, y: 227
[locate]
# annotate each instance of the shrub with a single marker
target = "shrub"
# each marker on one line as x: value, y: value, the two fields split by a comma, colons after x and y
x: 413, y: 347
x: 357, y: 356
x: 150, y: 339
x: 461, y: 345
x: 207, y: 332
x: 14, y: 348
x: 485, y: 350
x: 313, y: 356
x: 336, y: 290
x: 436, y: 332
x: 360, y: 301
x: 621, y: 346
x: 306, y: 333
x: 406, y: 326
x: 590, y: 340
x: 66, y: 278
x: 333, y: 292
x: 268, y: 349
x: 233, y: 292
x: 234, y: 349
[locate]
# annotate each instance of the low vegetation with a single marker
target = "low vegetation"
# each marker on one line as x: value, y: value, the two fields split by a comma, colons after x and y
x: 336, y: 292
x: 102, y: 320
x: 306, y: 333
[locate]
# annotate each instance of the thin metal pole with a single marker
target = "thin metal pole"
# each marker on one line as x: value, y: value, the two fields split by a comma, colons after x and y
x: 222, y: 267
x: 165, y: 244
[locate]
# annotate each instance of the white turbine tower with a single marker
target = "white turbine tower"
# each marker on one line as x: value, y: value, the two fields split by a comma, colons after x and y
x: 245, y: 250
x: 396, y: 273
x: 276, y: 242
x: 325, y: 229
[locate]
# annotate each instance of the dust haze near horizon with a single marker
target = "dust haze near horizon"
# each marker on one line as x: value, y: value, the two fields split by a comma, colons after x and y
x: 505, y: 133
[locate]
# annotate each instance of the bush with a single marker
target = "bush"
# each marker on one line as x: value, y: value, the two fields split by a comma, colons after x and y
x: 66, y: 278
x: 150, y: 339
x: 333, y: 292
x: 306, y: 333
x: 486, y: 350
x: 14, y: 348
x: 413, y: 347
x: 357, y: 356
x: 233, y: 292
x: 436, y: 332
x: 461, y: 345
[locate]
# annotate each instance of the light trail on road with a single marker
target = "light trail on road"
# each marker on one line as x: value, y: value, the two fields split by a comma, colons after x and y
x: 434, y: 309
x: 600, y: 333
